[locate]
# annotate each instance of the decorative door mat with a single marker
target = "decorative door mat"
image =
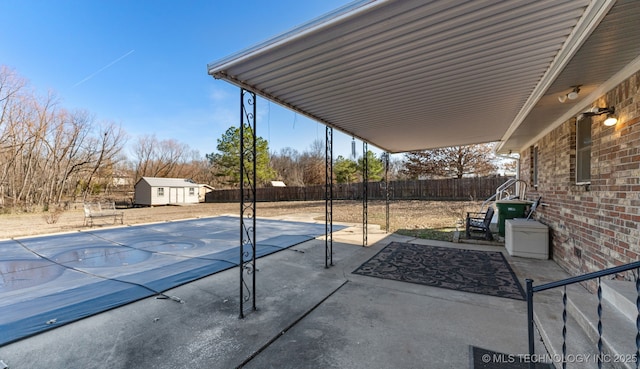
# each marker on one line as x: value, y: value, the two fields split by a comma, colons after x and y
x: 482, y: 272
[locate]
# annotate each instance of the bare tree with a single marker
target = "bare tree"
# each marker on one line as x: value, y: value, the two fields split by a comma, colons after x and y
x: 396, y: 166
x: 166, y: 158
x: 144, y: 151
x: 10, y: 86
x: 11, y: 94
x: 455, y: 161
x: 107, y: 144
x: 71, y: 158
x: 313, y: 164
x: 286, y: 163
x: 43, y: 148
x: 202, y: 171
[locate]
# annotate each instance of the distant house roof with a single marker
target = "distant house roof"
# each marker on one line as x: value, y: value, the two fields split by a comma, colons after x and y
x: 168, y: 182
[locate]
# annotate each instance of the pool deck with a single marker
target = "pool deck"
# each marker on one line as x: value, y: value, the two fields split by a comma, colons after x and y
x: 308, y: 316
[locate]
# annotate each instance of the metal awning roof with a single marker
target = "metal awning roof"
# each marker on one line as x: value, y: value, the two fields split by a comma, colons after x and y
x: 412, y: 74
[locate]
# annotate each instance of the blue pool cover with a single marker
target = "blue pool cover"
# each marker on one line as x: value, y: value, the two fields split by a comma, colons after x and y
x: 53, y: 280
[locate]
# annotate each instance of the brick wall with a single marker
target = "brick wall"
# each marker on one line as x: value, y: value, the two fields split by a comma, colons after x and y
x: 593, y: 226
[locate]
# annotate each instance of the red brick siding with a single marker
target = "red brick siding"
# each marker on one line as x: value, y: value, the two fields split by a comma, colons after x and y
x: 593, y: 226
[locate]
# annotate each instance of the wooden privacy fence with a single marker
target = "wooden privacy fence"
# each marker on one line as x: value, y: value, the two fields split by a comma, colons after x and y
x: 437, y: 189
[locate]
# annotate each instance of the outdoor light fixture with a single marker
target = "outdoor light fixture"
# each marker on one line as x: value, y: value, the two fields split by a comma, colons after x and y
x: 571, y: 95
x: 611, y: 120
x: 610, y: 112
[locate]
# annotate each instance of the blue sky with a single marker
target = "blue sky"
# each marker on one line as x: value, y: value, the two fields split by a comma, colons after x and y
x: 142, y: 63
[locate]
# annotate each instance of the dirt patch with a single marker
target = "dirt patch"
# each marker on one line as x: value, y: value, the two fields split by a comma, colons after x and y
x: 404, y: 215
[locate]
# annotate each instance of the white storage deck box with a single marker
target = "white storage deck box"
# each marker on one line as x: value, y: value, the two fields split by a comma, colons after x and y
x: 527, y: 238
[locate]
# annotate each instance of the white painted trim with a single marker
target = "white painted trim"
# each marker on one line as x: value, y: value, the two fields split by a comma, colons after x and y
x: 593, y: 15
x: 607, y: 86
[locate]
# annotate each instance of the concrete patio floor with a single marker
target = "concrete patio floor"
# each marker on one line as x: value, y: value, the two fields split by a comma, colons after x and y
x: 307, y: 317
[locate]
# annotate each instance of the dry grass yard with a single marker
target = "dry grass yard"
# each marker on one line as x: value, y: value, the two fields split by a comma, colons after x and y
x: 426, y: 219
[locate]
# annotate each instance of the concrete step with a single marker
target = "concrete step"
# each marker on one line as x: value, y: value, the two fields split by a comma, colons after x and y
x: 623, y: 295
x: 619, y: 313
x: 618, y: 331
x: 548, y: 319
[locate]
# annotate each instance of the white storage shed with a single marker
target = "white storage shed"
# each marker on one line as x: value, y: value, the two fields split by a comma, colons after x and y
x: 152, y: 191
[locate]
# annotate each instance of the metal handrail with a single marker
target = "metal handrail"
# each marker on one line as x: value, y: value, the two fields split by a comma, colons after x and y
x: 487, y: 201
x: 585, y: 277
x: 531, y: 289
x: 506, y: 184
x: 499, y: 195
x: 500, y: 190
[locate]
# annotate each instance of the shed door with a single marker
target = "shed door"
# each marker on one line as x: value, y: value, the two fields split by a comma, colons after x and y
x: 176, y: 195
x: 180, y: 195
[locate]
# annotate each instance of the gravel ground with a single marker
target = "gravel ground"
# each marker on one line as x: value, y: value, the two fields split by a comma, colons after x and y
x: 408, y: 217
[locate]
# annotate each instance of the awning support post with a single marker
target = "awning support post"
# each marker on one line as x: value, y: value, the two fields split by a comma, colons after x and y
x: 365, y: 202
x: 247, y: 200
x: 328, y: 196
x: 386, y: 189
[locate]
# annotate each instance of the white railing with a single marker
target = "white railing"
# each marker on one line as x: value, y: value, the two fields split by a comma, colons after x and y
x: 503, y: 192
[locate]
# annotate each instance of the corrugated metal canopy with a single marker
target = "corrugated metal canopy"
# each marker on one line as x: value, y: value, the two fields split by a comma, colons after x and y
x: 607, y: 57
x: 414, y: 74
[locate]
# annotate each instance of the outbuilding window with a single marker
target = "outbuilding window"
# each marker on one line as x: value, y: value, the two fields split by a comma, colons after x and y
x: 160, y: 191
x: 192, y: 191
x: 583, y: 150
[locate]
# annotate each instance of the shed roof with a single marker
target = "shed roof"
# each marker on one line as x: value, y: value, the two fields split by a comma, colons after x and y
x: 413, y: 74
x: 169, y: 182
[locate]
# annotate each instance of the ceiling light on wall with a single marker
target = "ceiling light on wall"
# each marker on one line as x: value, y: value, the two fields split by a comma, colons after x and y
x: 610, y: 112
x: 571, y: 95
